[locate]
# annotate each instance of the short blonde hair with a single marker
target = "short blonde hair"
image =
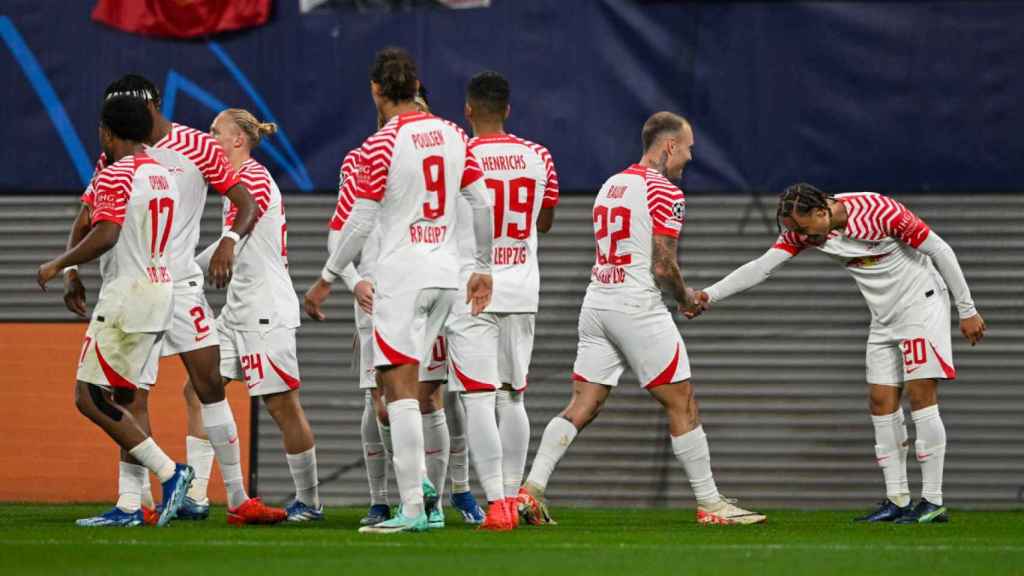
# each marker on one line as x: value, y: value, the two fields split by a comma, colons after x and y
x: 253, y: 129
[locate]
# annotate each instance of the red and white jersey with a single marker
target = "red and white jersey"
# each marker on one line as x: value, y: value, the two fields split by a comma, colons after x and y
x: 346, y: 198
x: 141, y: 197
x: 194, y: 159
x: 261, y: 295
x: 629, y: 210
x: 878, y: 248
x: 416, y: 166
x: 520, y: 178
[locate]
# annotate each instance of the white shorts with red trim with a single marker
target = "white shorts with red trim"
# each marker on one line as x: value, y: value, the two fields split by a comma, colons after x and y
x: 917, y: 346
x: 515, y: 348
x: 193, y: 324
x: 266, y: 361
x: 112, y: 358
x: 433, y: 370
x: 406, y: 326
x: 648, y: 341
x: 473, y: 351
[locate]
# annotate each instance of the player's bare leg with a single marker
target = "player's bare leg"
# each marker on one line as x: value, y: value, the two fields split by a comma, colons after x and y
x: 401, y: 388
x: 106, y: 410
x: 690, y: 445
x: 586, y: 403
x: 134, y: 490
x: 300, y: 450
x: 890, y: 451
x: 203, y: 367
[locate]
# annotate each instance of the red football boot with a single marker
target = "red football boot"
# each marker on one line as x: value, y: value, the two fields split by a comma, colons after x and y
x: 497, y: 519
x: 254, y: 511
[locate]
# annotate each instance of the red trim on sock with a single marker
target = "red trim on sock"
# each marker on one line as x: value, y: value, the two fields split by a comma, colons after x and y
x: 113, y: 378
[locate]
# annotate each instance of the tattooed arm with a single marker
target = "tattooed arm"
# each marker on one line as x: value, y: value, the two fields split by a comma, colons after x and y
x: 666, y: 270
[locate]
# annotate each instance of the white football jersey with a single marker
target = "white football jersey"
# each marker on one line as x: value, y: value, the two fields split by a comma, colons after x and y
x: 140, y: 196
x: 520, y: 178
x: 261, y: 295
x: 346, y: 198
x: 878, y: 248
x: 416, y: 166
x: 629, y: 210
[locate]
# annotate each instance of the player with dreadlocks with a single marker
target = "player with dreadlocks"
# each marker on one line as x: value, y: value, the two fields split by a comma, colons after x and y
x: 906, y: 273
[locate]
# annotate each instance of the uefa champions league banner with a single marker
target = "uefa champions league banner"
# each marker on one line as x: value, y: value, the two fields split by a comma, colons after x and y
x: 876, y: 96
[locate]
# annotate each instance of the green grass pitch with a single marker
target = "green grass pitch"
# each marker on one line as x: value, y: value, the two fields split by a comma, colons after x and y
x: 42, y: 539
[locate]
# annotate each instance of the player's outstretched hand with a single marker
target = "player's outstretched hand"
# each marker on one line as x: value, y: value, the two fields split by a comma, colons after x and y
x: 315, y: 297
x: 478, y: 292
x: 222, y: 262
x: 699, y: 303
x: 46, y: 273
x: 363, y: 292
x: 973, y: 328
x: 74, y: 293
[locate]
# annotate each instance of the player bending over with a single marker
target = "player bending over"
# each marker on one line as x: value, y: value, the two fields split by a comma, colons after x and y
x: 905, y: 272
x: 490, y: 352
x: 195, y: 160
x: 409, y: 175
x: 133, y: 209
x: 257, y: 325
x: 637, y: 214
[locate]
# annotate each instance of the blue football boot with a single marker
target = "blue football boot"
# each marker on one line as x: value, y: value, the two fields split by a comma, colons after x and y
x: 377, y: 514
x: 925, y: 513
x: 174, y: 491
x: 466, y: 504
x: 302, y: 512
x: 115, y: 518
x: 887, y: 511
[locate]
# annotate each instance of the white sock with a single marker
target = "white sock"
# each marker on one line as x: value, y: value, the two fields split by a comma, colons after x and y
x: 436, y: 446
x: 901, y: 440
x: 692, y: 450
x: 199, y: 454
x: 458, y: 457
x: 557, y: 437
x: 514, y: 427
x: 385, y: 439
x: 153, y: 458
x: 373, y: 454
x: 485, y: 442
x: 887, y: 453
x: 129, y: 486
x: 147, y: 492
x: 931, y: 451
x: 304, y: 474
x: 409, y: 462
x: 223, y: 434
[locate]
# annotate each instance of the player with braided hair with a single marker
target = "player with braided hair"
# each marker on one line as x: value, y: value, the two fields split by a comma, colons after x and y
x: 906, y: 273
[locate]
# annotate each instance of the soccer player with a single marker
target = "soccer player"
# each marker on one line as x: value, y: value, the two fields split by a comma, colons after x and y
x: 490, y: 352
x: 195, y: 160
x: 257, y: 325
x: 133, y: 209
x: 375, y: 430
x: 638, y: 215
x: 906, y: 273
x: 409, y: 174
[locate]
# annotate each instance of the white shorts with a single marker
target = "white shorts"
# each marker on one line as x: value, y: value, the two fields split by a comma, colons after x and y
x: 432, y: 371
x: 266, y: 361
x: 648, y: 341
x: 112, y: 358
x: 918, y: 346
x: 193, y: 325
x: 489, y: 350
x: 406, y: 328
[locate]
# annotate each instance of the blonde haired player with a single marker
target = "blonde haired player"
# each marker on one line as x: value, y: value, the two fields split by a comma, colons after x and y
x: 257, y: 325
x: 638, y: 215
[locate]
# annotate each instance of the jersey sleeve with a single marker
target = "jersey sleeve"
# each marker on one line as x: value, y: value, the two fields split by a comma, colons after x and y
x: 374, y: 163
x: 471, y: 173
x: 346, y: 191
x: 551, y: 179
x: 89, y: 195
x: 112, y: 190
x: 257, y: 180
x: 667, y: 206
x: 905, y: 226
x: 790, y: 242
x: 213, y: 163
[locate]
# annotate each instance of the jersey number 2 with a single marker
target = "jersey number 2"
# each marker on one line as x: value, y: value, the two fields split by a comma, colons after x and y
x: 604, y: 218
